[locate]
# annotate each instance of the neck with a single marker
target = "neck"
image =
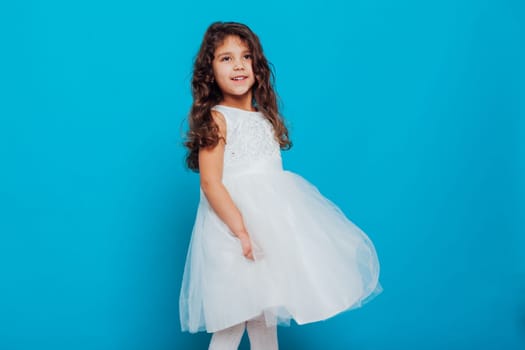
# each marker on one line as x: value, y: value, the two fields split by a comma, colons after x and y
x: 244, y: 102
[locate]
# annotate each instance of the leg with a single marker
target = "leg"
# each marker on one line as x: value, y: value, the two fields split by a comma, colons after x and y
x: 227, y: 339
x: 261, y: 337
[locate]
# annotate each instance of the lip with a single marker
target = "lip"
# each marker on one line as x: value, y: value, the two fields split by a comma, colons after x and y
x: 243, y: 78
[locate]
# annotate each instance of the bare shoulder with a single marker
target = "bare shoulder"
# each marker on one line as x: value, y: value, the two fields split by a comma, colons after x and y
x: 217, y: 116
x: 211, y: 158
x: 219, y: 119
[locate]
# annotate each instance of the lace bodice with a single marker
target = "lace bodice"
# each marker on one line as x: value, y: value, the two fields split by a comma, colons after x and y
x: 250, y: 139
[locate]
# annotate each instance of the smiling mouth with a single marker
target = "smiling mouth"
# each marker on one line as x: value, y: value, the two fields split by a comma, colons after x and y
x: 240, y: 77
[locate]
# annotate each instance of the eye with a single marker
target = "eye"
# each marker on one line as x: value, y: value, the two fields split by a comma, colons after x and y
x: 248, y: 56
x: 225, y: 58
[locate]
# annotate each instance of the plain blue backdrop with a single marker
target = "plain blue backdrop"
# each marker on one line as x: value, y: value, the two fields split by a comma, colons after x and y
x: 407, y: 114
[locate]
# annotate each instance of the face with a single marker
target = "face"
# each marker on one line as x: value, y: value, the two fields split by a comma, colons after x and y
x: 233, y: 71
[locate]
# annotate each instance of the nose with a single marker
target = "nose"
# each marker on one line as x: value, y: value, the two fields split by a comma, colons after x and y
x: 238, y: 65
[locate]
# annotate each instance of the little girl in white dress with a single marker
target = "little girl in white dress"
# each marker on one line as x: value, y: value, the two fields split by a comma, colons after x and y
x: 266, y: 245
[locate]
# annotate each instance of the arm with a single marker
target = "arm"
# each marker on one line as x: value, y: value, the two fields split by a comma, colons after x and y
x: 210, y: 167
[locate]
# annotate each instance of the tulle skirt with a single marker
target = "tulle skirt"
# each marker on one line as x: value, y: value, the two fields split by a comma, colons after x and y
x: 311, y: 261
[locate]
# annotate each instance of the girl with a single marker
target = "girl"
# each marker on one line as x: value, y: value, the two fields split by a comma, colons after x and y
x: 266, y: 246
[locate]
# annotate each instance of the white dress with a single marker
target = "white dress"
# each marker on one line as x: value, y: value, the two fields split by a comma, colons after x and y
x: 311, y: 261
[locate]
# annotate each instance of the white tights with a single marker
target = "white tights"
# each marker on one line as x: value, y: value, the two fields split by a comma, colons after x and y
x: 261, y: 337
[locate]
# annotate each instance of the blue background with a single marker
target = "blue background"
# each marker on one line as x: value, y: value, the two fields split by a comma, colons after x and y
x: 407, y: 114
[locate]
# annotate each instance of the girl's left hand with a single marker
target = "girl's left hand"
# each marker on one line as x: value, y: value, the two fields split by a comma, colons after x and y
x: 246, y: 245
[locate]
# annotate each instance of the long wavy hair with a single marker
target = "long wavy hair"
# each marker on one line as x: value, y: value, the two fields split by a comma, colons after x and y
x: 203, y: 131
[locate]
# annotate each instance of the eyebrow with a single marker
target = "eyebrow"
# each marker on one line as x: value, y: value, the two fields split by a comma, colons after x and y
x: 231, y: 53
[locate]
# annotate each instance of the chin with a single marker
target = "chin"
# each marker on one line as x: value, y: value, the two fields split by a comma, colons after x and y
x: 240, y: 93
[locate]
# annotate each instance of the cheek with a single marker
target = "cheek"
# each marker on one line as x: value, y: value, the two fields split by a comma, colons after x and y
x: 217, y: 70
x: 221, y: 73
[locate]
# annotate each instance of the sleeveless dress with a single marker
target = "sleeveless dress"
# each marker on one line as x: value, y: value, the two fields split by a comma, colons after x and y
x: 311, y: 262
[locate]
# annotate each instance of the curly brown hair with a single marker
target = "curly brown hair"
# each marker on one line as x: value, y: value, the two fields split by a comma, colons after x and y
x: 203, y: 131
